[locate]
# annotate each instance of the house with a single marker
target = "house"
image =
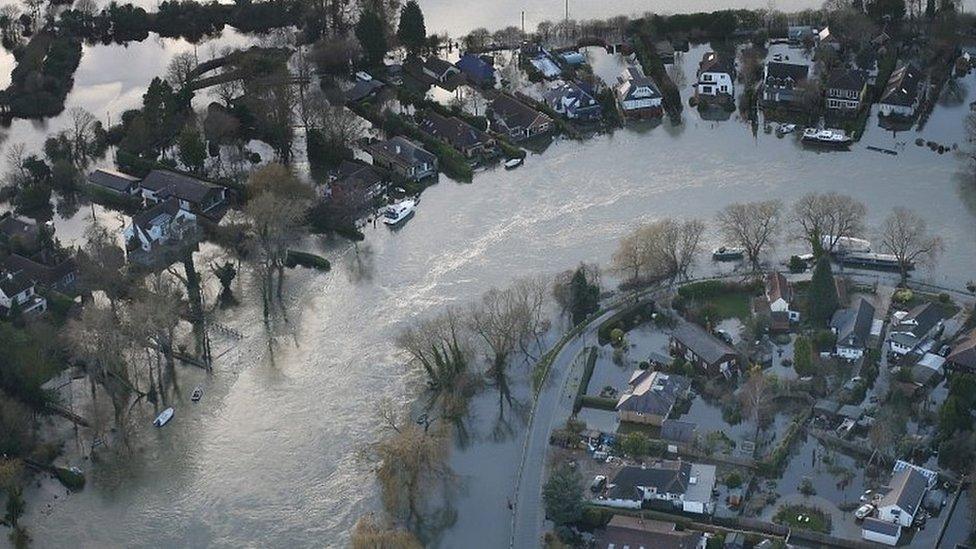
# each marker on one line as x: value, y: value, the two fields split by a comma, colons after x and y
x: 543, y: 62
x: 60, y: 276
x: 828, y: 39
x: 931, y: 476
x: 779, y: 292
x: 623, y: 531
x: 902, y: 93
x: 18, y: 291
x: 114, y: 181
x: 963, y: 355
x: 651, y: 396
x: 703, y: 350
x: 929, y: 370
x: 17, y: 232
x: 166, y: 222
x: 879, y: 531
x: 845, y: 90
x: 403, y: 157
x: 363, y: 89
x: 679, y: 485
x: 665, y: 51
x: 357, y: 178
x: 716, y: 76
x: 781, y: 82
x: 460, y: 135
x: 904, y: 498
x: 798, y: 34
x: 734, y: 540
x: 637, y: 95
x: 853, y: 329
x: 478, y: 69
x: 913, y: 328
x: 573, y: 58
x: 516, y: 119
x: 438, y: 69
x: 194, y: 195
x: 573, y: 101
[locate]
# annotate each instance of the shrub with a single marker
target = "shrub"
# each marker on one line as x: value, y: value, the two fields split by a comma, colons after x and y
x: 944, y: 298
x: 305, y: 259
x: 625, y: 319
x: 733, y: 480
x: 797, y: 265
x: 617, y: 337
x: 903, y: 296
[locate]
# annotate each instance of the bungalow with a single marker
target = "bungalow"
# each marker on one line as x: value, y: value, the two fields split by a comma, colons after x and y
x: 194, y: 195
x: 902, y: 94
x: 114, y: 181
x: 59, y: 275
x: 680, y: 485
x: 846, y: 90
x: 516, y: 119
x: 573, y: 101
x: 904, y: 498
x: 478, y: 69
x: 678, y: 431
x: 716, y: 76
x: 623, y: 531
x: 460, y: 135
x: 703, y: 350
x: 438, y: 69
x: 17, y: 290
x: 913, y: 328
x: 879, y: 531
x: 354, y: 177
x: 781, y: 82
x: 165, y: 222
x: 650, y: 396
x: 853, y: 328
x: 637, y: 95
x: 403, y: 157
x: 963, y: 355
x: 363, y: 89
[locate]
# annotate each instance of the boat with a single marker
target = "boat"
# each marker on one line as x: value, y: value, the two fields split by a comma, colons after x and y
x: 784, y: 129
x: 513, y: 163
x: 164, y: 417
x: 726, y: 253
x: 827, y: 137
x: 397, y: 213
x: 847, y: 244
x: 885, y: 262
x: 197, y: 394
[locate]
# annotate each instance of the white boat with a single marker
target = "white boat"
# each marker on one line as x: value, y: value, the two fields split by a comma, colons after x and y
x: 827, y: 137
x: 727, y: 253
x: 513, y: 163
x: 164, y: 417
x: 396, y: 213
x: 197, y: 394
x: 847, y: 244
x: 784, y: 129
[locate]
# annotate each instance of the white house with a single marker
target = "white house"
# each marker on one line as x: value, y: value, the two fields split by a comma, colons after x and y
x: 879, y: 531
x: 636, y: 93
x: 779, y: 293
x: 17, y: 288
x: 158, y: 225
x: 686, y: 486
x: 904, y: 498
x: 910, y: 329
x: 716, y: 76
x: 853, y: 329
x: 901, y: 95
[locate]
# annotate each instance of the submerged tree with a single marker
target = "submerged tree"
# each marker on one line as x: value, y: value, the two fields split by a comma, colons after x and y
x: 905, y: 235
x: 563, y: 495
x: 371, y: 33
x: 368, y: 533
x: 751, y: 225
x: 825, y: 218
x: 577, y: 292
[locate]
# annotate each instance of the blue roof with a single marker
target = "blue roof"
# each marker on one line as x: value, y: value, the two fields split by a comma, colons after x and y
x: 475, y: 67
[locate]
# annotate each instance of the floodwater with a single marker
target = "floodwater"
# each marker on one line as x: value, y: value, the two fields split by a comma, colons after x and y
x: 268, y: 458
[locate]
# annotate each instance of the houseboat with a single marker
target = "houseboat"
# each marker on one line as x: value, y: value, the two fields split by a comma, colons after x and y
x: 164, y: 417
x: 873, y: 261
x: 726, y: 253
x: 847, y: 244
x: 827, y: 138
x: 397, y: 213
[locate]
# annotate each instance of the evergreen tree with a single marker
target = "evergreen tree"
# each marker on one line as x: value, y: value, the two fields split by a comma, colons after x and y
x: 412, y: 33
x: 930, y: 9
x: 823, y: 293
x: 563, y: 495
x: 585, y: 297
x: 371, y: 34
x: 192, y: 150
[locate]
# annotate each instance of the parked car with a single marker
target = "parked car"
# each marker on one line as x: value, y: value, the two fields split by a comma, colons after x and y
x: 599, y: 482
x: 864, y: 511
x: 944, y: 351
x: 868, y: 495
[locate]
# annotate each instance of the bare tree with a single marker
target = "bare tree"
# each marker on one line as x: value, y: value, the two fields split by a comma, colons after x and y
x: 368, y: 533
x: 679, y: 244
x: 180, y: 69
x: 151, y: 320
x: 82, y: 136
x: 751, y: 225
x: 824, y: 218
x: 904, y: 234
x: 756, y: 397
x: 633, y: 258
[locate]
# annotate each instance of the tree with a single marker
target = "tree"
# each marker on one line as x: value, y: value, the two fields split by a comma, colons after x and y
x: 904, y: 234
x: 371, y: 33
x: 883, y: 10
x: 803, y: 357
x: 823, y: 294
x: 563, y: 495
x: 751, y: 225
x: 577, y: 292
x: 756, y: 396
x: 411, y: 32
x: 824, y: 218
x: 632, y: 260
x: 180, y: 69
x: 635, y: 445
x: 368, y: 533
x: 192, y: 151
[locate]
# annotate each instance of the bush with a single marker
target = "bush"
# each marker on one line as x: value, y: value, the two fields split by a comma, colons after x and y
x: 733, y: 480
x: 797, y: 265
x: 585, y: 380
x: 903, y: 296
x: 305, y: 259
x: 617, y: 337
x: 625, y: 319
x: 598, y: 403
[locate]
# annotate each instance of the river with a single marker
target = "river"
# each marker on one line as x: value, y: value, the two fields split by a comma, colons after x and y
x: 268, y: 457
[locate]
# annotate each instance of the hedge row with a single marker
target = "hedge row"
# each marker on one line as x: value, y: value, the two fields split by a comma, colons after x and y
x: 625, y: 319
x: 585, y: 381
x: 305, y: 259
x: 599, y: 403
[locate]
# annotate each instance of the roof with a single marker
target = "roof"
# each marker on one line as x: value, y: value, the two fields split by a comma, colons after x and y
x: 666, y: 477
x: 11, y: 227
x: 166, y: 183
x: 921, y: 319
x: 624, y: 531
x: 569, y: 96
x: 12, y: 284
x: 357, y: 174
x: 826, y: 406
x: 715, y: 62
x: 883, y: 527
x: 783, y: 71
x: 438, y: 66
x: 162, y: 213
x: 853, y: 325
x: 401, y: 151
x: 39, y: 272
x: 902, y: 87
x: 513, y: 113
x: 675, y: 430
x: 964, y: 352
x: 846, y: 79
x: 112, y: 179
x: 908, y: 487
x: 363, y: 89
x: 476, y: 68
x: 710, y: 348
x: 653, y: 393
x: 778, y: 287
x: 633, y: 79
x: 455, y: 131
x: 850, y: 411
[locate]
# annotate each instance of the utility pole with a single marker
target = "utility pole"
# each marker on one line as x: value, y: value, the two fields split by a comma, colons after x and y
x: 523, y: 23
x: 567, y: 11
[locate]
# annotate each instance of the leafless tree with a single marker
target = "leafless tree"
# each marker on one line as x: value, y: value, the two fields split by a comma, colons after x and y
x: 82, y: 136
x: 151, y: 319
x: 100, y: 263
x: 17, y: 174
x: 679, y: 242
x: 88, y: 7
x: 751, y: 225
x: 756, y: 397
x: 180, y: 69
x: 633, y: 259
x: 824, y: 218
x: 905, y: 235
x: 368, y: 533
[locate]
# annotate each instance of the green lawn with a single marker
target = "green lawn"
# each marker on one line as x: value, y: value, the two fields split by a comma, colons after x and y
x: 732, y: 305
x: 805, y: 517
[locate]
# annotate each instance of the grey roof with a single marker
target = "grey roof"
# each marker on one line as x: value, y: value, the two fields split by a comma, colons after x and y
x: 710, y: 348
x: 13, y: 283
x: 162, y: 212
x: 456, y: 132
x: 675, y: 430
x: 780, y: 72
x: 631, y: 80
x: 39, y: 272
x: 904, y: 339
x: 826, y: 406
x: 846, y: 79
x: 358, y: 175
x: 653, y: 393
x: 514, y: 114
x: 902, y: 87
x: 886, y: 528
x: 11, y: 227
x: 624, y: 531
x: 716, y: 62
x: 908, y: 487
x: 850, y: 411
x: 439, y: 66
x: 853, y: 325
x: 166, y: 183
x: 363, y: 89
x: 921, y: 319
x: 112, y: 179
x: 402, y: 151
x: 668, y: 477
x: 964, y: 351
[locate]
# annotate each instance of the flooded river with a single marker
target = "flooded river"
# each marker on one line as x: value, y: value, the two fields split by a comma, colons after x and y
x: 268, y: 457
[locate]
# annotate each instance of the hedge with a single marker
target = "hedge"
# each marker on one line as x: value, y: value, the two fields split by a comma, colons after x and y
x: 585, y: 380
x: 599, y: 403
x: 110, y: 199
x: 625, y: 319
x: 305, y: 259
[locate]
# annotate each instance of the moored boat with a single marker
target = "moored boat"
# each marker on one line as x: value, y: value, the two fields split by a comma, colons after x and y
x: 885, y: 262
x: 513, y: 163
x: 827, y: 137
x: 397, y: 213
x: 726, y: 253
x: 847, y: 244
x: 164, y: 417
x: 784, y: 129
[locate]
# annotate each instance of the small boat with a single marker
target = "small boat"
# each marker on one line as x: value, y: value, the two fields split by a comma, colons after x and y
x: 827, y: 138
x: 785, y: 129
x: 513, y: 163
x: 164, y: 417
x: 197, y: 394
x: 397, y: 213
x: 726, y: 253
